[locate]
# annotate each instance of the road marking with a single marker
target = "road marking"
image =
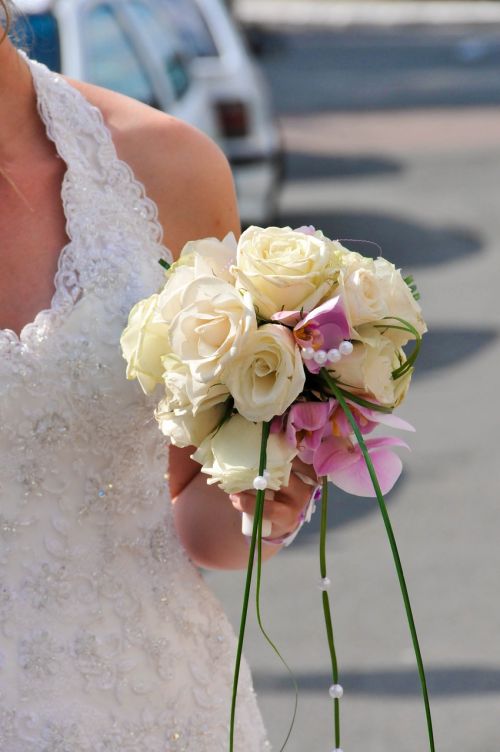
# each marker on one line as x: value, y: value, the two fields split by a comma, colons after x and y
x: 324, y: 13
x: 393, y: 132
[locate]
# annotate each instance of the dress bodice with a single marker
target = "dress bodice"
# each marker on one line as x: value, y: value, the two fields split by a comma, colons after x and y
x: 109, y: 638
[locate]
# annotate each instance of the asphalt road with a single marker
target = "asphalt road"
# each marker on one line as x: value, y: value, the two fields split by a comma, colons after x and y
x: 394, y: 136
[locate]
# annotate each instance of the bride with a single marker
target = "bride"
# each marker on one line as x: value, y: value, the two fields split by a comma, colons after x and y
x: 109, y: 639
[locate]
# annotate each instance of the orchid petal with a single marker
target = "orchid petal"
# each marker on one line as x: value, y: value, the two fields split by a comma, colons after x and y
x: 386, y: 419
x: 311, y: 418
x: 306, y: 229
x: 286, y: 317
x: 330, y: 312
x: 332, y: 454
x: 355, y: 478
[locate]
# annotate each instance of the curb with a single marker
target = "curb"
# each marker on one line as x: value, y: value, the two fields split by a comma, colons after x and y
x: 323, y: 13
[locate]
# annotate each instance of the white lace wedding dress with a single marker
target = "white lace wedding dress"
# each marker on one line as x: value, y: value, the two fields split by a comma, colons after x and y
x: 109, y: 639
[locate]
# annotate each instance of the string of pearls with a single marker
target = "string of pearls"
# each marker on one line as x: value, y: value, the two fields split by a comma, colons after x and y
x: 328, y: 356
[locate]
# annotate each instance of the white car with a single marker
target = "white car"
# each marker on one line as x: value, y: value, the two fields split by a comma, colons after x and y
x: 185, y: 57
x: 117, y: 44
x: 245, y: 124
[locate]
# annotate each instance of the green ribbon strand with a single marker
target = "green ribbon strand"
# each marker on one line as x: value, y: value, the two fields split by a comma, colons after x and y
x: 266, y: 636
x: 326, y: 607
x: 259, y: 508
x: 392, y: 541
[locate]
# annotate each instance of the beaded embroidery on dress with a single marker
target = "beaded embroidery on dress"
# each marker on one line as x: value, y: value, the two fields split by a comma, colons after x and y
x: 110, y: 641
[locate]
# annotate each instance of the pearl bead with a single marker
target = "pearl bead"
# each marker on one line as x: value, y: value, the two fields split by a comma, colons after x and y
x: 260, y: 483
x: 308, y: 353
x: 336, y: 691
x: 324, y: 583
x: 346, y: 347
x: 334, y: 355
x: 320, y: 357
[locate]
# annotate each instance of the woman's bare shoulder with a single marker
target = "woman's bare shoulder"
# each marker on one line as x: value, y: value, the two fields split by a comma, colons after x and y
x: 183, y: 171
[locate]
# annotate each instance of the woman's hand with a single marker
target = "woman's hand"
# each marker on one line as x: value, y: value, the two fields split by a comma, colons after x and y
x: 282, y: 508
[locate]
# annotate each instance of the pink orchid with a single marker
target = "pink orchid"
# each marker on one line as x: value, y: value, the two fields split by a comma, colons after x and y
x: 324, y: 328
x: 344, y: 464
x: 306, y: 425
x: 306, y: 229
x: 366, y: 419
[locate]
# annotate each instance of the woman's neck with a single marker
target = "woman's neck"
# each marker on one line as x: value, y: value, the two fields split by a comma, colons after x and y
x: 21, y: 130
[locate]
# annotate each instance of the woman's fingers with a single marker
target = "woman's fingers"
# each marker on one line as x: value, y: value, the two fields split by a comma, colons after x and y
x: 304, y: 471
x: 282, y: 508
x: 283, y: 514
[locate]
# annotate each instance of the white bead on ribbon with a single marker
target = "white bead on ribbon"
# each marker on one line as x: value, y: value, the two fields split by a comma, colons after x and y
x: 260, y: 483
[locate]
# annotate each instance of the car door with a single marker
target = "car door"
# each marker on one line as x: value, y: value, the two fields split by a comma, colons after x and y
x: 169, y: 59
x: 108, y: 53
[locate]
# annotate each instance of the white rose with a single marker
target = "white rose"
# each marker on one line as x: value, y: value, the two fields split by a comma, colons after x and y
x: 210, y: 254
x: 211, y: 326
x: 144, y: 342
x: 368, y: 369
x: 199, y: 258
x: 267, y: 376
x: 185, y: 429
x: 284, y: 269
x: 179, y: 419
x: 362, y: 293
x: 231, y: 456
x: 400, y: 302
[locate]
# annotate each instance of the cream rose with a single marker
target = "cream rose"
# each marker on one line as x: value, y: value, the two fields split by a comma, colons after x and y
x: 231, y: 456
x: 144, y: 342
x: 207, y: 257
x: 362, y: 293
x: 284, y: 269
x: 211, y: 326
x: 374, y: 290
x: 187, y: 421
x: 368, y: 369
x: 400, y: 301
x: 267, y: 376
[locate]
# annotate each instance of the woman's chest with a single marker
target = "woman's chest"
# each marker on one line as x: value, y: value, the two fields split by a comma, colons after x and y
x: 33, y: 234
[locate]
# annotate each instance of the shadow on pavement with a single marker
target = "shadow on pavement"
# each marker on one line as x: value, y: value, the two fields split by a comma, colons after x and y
x: 452, y: 681
x: 405, y: 242
x: 344, y: 509
x: 306, y: 166
x: 443, y: 347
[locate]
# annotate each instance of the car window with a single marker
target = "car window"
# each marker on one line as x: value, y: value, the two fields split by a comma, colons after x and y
x: 110, y: 59
x: 38, y: 34
x: 154, y: 26
x: 191, y: 27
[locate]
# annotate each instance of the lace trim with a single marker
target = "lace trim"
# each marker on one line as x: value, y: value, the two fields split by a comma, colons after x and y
x: 69, y: 117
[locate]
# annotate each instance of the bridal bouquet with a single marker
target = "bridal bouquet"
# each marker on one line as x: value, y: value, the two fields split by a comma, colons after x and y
x: 285, y: 344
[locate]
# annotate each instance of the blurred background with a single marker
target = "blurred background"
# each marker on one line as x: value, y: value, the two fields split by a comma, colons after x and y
x: 372, y: 121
